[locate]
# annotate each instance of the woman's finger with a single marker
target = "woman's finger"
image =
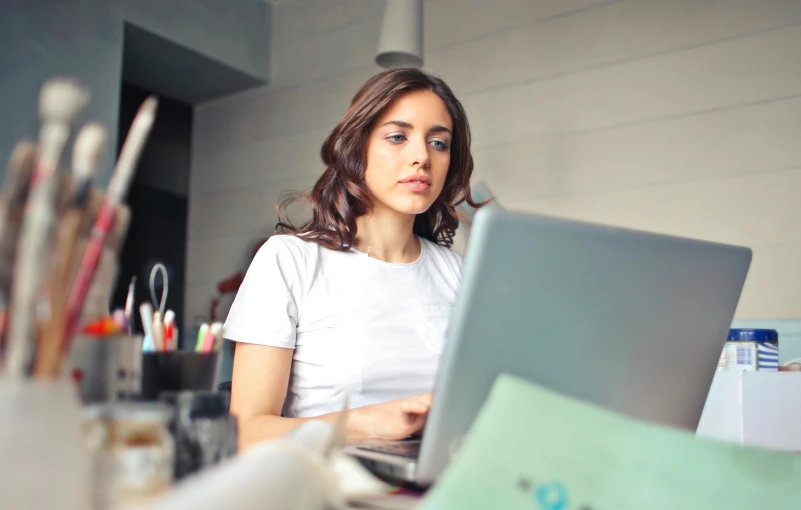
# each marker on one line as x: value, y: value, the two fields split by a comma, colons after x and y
x: 414, y: 407
x: 418, y: 423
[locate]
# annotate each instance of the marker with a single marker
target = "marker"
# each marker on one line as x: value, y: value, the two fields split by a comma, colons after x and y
x: 201, y: 336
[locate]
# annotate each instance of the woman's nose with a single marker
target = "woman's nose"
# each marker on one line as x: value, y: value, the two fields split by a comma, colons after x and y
x: 419, y: 153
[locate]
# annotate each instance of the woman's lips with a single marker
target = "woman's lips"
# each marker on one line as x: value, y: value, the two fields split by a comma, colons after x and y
x: 416, y: 184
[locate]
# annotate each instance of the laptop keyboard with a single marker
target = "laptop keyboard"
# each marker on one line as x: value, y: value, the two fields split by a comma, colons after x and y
x: 408, y: 449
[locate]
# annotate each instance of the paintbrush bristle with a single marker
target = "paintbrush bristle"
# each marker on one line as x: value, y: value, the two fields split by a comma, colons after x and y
x: 61, y: 99
x: 89, y: 145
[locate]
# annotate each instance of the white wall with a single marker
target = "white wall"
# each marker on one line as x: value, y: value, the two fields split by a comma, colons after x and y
x: 680, y: 116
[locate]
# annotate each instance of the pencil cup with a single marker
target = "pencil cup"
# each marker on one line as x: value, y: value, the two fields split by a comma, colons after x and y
x: 107, y: 368
x: 178, y: 371
x: 43, y: 463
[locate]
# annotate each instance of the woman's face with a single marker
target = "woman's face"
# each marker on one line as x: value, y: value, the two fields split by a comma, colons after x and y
x: 409, y: 152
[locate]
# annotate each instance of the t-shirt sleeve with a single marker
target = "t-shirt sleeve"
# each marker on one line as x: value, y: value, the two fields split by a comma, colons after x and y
x: 265, y: 311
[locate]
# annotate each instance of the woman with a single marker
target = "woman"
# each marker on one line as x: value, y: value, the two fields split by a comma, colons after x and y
x: 356, y: 301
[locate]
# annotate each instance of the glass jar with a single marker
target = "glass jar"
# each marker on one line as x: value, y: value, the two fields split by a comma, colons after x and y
x: 132, y: 452
x: 205, y: 432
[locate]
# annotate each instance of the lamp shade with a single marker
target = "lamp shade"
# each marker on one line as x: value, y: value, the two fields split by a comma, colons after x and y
x: 400, y: 43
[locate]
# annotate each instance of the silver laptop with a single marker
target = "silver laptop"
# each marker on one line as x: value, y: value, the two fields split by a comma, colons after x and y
x: 629, y: 320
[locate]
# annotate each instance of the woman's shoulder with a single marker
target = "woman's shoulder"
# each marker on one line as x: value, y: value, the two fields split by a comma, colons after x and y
x: 288, y: 243
x: 286, y: 249
x: 295, y: 241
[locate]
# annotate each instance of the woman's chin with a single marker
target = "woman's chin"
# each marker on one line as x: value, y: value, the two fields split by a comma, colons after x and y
x: 407, y: 205
x: 414, y: 209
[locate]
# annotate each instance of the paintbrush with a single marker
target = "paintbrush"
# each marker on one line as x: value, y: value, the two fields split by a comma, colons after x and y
x: 60, y: 101
x: 18, y: 179
x: 117, y: 188
x: 86, y: 153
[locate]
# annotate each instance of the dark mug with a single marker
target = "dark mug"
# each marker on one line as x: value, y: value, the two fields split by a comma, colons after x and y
x: 175, y: 371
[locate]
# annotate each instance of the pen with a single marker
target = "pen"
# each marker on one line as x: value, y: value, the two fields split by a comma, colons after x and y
x: 158, y: 331
x: 129, y: 304
x: 146, y: 313
x: 169, y: 329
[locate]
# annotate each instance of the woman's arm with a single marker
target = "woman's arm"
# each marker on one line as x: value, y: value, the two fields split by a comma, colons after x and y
x: 258, y: 390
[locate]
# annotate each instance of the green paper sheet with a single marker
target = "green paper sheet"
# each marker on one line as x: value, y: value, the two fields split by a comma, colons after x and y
x: 531, y: 448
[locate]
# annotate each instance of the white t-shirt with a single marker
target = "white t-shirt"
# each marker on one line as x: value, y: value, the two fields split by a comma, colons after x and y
x: 359, y: 325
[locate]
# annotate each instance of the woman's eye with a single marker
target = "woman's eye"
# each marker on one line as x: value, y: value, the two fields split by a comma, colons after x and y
x: 439, y: 145
x: 398, y: 138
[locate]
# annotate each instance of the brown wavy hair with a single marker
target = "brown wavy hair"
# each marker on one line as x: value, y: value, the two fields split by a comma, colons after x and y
x: 341, y: 194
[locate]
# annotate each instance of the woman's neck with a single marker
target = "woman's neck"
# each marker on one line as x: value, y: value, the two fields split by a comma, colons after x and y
x: 387, y: 235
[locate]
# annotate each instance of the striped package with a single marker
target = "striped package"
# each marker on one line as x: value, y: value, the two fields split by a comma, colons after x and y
x: 750, y: 350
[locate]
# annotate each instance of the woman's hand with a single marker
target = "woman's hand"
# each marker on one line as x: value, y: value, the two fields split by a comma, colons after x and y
x: 395, y: 419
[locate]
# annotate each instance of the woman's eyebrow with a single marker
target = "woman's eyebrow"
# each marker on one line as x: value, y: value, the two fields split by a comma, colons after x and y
x: 398, y: 123
x: 403, y: 124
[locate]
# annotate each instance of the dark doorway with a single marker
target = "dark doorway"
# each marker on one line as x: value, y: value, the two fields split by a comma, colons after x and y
x: 158, y: 202
x: 158, y: 197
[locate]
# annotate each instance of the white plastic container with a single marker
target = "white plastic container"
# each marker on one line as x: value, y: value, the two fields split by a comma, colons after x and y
x: 43, y: 463
x: 754, y: 408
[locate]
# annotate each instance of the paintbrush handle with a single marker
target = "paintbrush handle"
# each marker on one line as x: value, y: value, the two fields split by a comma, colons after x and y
x: 86, y: 272
x: 18, y: 178
x: 60, y: 101
x: 31, y: 263
x: 47, y: 358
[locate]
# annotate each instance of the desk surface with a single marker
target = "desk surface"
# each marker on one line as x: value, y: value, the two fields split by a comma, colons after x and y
x: 390, y: 501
